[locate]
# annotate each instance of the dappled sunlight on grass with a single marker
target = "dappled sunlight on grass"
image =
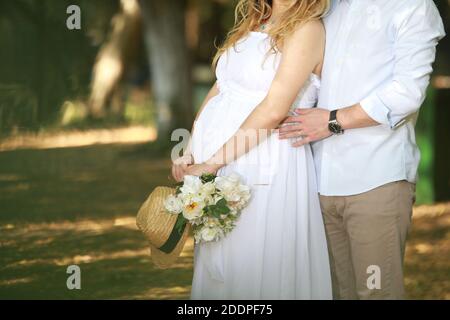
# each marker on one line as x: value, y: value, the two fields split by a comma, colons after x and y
x: 110, y: 252
x: 73, y: 183
x: 427, y: 265
x: 79, y: 208
x: 173, y: 293
x: 92, y: 226
x: 10, y: 178
x: 15, y: 281
x: 434, y: 210
x: 44, y: 234
x: 136, y: 134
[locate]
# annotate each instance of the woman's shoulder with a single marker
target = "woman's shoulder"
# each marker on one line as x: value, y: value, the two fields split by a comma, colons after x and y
x: 311, y: 28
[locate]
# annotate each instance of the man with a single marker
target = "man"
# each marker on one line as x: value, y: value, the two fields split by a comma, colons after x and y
x: 377, y: 67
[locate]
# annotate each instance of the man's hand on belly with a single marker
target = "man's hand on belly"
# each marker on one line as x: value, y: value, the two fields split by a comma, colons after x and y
x: 309, y: 124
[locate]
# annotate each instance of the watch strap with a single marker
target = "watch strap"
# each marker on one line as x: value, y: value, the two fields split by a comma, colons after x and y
x: 333, y: 115
x: 334, y: 125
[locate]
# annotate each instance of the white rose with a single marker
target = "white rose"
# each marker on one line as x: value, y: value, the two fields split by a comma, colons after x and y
x: 234, y: 212
x: 173, y: 204
x: 191, y: 185
x: 231, y: 188
x: 225, y: 184
x: 212, y: 222
x: 234, y: 177
x: 206, y: 192
x: 207, y: 189
x: 245, y: 194
x: 208, y: 234
x: 244, y: 190
x: 233, y: 196
x: 194, y: 209
x: 197, y: 238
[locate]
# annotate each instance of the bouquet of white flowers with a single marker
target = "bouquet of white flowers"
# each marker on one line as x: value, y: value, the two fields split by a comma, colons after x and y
x: 211, y: 204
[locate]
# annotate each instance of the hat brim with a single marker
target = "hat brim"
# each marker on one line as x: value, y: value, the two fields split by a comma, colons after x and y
x: 164, y: 260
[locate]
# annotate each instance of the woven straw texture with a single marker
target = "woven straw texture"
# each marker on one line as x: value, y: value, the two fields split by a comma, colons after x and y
x: 157, y: 225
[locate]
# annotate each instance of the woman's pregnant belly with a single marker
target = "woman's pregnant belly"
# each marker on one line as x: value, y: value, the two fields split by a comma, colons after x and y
x: 220, y: 120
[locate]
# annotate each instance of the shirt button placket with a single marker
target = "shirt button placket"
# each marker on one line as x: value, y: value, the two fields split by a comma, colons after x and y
x: 327, y: 154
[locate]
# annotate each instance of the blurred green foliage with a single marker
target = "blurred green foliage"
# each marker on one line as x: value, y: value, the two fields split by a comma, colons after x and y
x: 45, y: 69
x: 426, y: 143
x: 43, y: 63
x: 18, y: 105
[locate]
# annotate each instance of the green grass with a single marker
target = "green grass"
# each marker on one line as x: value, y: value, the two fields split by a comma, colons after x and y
x: 76, y: 206
x: 58, y: 207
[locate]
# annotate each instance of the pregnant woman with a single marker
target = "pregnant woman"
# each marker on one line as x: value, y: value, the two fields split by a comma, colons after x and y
x: 269, y: 65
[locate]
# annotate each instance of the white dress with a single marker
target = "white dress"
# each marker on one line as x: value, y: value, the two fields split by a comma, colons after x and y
x: 278, y: 249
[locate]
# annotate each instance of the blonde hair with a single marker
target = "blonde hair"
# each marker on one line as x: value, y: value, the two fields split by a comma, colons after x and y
x: 251, y: 14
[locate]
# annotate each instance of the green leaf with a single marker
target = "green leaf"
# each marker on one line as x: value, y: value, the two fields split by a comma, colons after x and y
x: 218, y: 209
x: 222, y: 207
x: 224, y: 210
x: 222, y: 203
x: 208, y: 210
x: 211, y: 211
x: 216, y: 213
x: 208, y: 178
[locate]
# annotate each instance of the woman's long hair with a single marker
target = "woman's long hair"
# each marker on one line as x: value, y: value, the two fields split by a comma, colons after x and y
x: 251, y: 14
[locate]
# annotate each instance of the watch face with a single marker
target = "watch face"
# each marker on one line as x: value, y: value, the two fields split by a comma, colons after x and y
x: 335, y: 127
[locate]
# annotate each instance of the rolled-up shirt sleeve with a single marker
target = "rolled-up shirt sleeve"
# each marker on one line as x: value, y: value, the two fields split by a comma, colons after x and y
x: 417, y: 32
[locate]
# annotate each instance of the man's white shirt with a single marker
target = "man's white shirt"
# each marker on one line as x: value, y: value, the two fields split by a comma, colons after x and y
x: 379, y: 53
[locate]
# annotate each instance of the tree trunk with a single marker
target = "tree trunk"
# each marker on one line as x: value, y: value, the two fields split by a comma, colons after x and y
x: 442, y: 112
x: 40, y: 66
x: 168, y: 56
x: 442, y: 151
x: 112, y: 59
x: 442, y: 65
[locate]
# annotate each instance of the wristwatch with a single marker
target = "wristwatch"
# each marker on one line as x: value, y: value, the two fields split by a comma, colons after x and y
x: 333, y: 125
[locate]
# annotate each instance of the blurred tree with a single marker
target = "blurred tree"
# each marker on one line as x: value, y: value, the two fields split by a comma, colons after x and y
x: 42, y: 61
x: 112, y: 60
x: 441, y: 127
x: 442, y: 65
x: 215, y: 18
x: 170, y: 64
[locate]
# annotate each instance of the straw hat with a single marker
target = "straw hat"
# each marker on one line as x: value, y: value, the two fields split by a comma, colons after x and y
x: 158, y: 226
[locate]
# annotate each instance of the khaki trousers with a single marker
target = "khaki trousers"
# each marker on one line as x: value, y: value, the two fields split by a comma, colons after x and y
x: 366, y: 236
